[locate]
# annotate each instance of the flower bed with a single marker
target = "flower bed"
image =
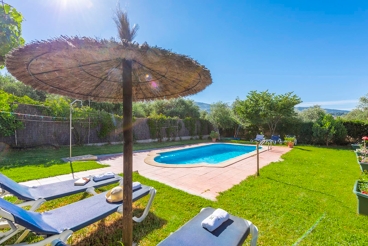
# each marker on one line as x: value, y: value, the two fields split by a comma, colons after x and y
x: 362, y: 196
x: 363, y: 162
x: 361, y: 191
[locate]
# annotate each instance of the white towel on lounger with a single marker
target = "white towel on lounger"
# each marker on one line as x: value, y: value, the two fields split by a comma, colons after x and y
x: 136, y: 186
x: 104, y: 176
x: 213, y: 221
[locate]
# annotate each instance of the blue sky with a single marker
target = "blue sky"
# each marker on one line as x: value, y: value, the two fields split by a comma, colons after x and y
x: 317, y: 49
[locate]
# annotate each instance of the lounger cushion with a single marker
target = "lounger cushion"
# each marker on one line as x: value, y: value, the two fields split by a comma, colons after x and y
x: 74, y: 216
x: 232, y: 232
x: 50, y: 191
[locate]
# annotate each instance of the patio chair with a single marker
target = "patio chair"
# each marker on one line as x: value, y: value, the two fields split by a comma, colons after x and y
x: 276, y: 139
x: 60, y: 223
x: 36, y: 195
x: 234, y: 231
x: 258, y: 138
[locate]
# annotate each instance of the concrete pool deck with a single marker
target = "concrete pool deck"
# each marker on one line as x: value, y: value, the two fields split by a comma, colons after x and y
x: 206, y: 182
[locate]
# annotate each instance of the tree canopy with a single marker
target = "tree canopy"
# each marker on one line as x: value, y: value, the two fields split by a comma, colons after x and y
x: 265, y: 108
x: 326, y: 129
x: 10, y: 85
x: 177, y: 107
x: 361, y: 112
x: 221, y: 116
x: 311, y: 114
x: 10, y: 30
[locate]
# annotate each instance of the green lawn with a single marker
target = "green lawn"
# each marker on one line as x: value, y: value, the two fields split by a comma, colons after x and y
x: 312, y: 187
x: 46, y: 162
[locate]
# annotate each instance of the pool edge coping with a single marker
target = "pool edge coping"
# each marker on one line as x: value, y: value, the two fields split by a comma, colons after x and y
x: 153, y: 154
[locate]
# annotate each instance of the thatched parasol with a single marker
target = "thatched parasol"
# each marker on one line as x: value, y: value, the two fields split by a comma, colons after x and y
x: 86, y: 68
x: 110, y: 71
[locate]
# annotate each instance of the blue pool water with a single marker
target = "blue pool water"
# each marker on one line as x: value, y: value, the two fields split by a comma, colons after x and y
x: 209, y: 154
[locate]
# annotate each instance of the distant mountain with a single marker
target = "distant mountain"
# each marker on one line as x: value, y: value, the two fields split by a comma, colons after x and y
x: 203, y: 106
x: 334, y: 112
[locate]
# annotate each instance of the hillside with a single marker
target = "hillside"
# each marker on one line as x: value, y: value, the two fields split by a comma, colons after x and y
x: 334, y: 112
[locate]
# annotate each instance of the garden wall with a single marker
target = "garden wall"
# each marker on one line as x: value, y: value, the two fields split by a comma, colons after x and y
x: 39, y: 130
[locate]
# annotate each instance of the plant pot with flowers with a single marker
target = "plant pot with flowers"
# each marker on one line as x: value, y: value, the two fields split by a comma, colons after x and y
x: 214, y: 135
x: 290, y: 141
x: 361, y: 191
x: 363, y: 162
x: 361, y: 152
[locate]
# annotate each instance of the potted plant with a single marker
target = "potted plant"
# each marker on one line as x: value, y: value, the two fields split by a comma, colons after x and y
x: 363, y: 162
x: 361, y: 152
x: 355, y: 146
x: 290, y: 141
x: 214, y: 135
x: 361, y: 191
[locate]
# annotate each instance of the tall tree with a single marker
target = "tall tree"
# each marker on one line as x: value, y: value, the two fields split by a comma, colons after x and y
x: 312, y: 114
x: 10, y: 30
x: 265, y: 108
x: 326, y: 129
x: 10, y: 85
x: 176, y: 107
x: 220, y: 116
x: 361, y: 112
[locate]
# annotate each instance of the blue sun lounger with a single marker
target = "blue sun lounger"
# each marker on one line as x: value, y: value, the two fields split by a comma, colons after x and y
x: 60, y: 223
x: 234, y: 231
x: 36, y: 195
x: 276, y: 139
x: 258, y: 138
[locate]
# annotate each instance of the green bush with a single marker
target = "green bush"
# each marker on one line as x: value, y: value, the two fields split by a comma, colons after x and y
x: 355, y: 129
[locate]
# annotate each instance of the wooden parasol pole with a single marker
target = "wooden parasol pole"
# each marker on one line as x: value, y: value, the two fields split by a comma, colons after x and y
x: 128, y: 153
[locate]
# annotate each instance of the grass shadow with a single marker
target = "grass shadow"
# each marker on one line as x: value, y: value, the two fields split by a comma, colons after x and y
x: 300, y: 148
x: 109, y: 231
x: 311, y: 190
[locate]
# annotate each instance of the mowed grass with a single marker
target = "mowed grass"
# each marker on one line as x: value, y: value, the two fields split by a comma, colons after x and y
x: 30, y: 164
x: 311, y: 188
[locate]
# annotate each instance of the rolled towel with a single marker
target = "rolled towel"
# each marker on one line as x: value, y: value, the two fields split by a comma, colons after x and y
x: 136, y: 186
x: 213, y: 221
x: 104, y: 176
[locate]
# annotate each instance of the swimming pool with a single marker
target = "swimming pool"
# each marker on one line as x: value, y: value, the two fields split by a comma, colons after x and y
x: 217, y: 154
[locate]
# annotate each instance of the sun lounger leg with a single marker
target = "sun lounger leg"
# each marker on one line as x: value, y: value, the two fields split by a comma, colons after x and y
x: 63, y: 237
x: 254, y: 233
x: 146, y: 210
x: 21, y: 237
x: 13, y: 231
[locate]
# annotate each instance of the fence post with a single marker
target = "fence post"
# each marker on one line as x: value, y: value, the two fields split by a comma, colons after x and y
x: 257, y: 158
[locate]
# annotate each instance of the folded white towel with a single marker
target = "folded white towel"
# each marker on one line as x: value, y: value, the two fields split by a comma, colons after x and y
x: 104, y: 176
x: 213, y: 221
x: 136, y: 186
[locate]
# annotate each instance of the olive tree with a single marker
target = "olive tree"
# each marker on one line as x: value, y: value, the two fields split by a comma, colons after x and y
x: 311, y: 114
x: 10, y: 30
x: 264, y: 107
x: 220, y: 116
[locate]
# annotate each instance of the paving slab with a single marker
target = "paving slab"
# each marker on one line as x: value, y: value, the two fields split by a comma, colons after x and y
x: 206, y: 182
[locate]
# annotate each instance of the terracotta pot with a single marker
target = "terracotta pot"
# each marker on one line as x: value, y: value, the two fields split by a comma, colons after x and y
x: 213, y: 139
x: 290, y: 144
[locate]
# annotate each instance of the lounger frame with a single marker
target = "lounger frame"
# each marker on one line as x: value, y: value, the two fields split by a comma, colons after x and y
x: 63, y: 236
